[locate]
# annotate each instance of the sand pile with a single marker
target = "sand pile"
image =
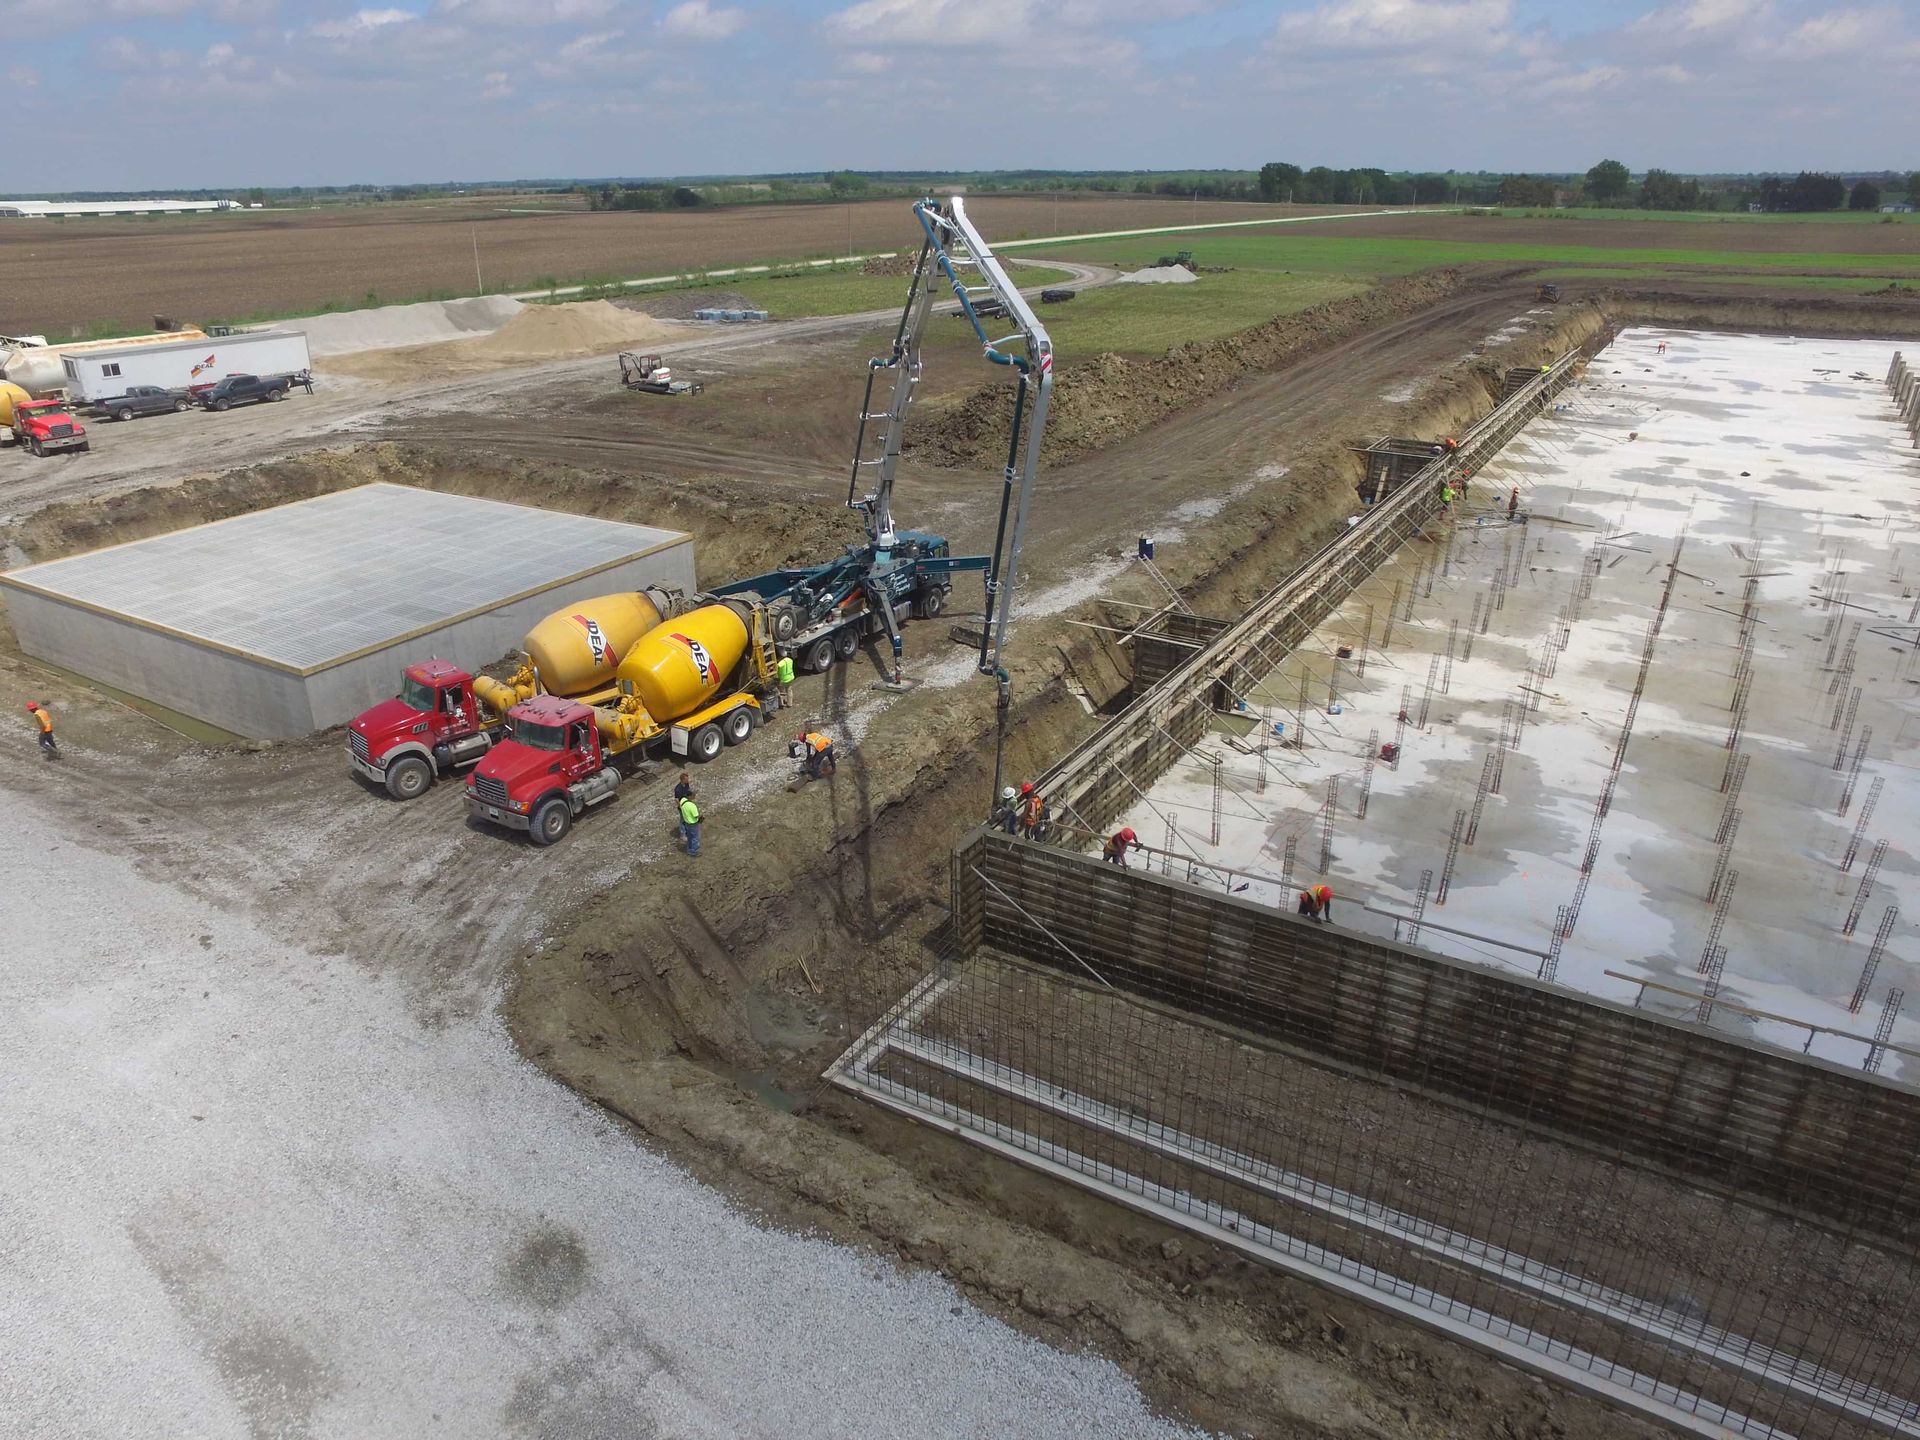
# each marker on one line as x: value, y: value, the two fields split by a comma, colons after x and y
x: 1159, y: 275
x: 536, y: 333
x: 559, y: 332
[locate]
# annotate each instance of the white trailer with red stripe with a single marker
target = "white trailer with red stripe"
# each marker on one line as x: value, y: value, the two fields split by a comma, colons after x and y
x: 94, y: 376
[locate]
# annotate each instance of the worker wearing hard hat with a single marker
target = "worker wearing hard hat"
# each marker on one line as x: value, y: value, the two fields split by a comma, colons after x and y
x: 1118, y: 843
x: 1316, y: 903
x: 45, y: 717
x: 1006, y: 815
x: 1033, y: 811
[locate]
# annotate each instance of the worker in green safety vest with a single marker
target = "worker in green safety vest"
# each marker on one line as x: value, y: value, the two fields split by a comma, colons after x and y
x: 690, y: 823
x: 783, y: 673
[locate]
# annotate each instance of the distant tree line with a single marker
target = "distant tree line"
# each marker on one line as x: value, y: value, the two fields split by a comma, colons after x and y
x: 1322, y: 185
x: 641, y: 197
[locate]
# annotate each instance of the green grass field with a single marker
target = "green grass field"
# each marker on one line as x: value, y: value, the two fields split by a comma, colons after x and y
x: 1707, y: 217
x: 804, y: 294
x: 1150, y: 319
x: 1296, y: 253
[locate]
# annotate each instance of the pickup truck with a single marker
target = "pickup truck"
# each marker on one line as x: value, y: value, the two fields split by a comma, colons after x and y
x: 44, y: 426
x: 235, y: 390
x: 141, y: 400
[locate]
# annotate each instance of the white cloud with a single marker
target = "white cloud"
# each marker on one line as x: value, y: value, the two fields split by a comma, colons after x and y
x: 23, y: 77
x: 1839, y: 32
x: 526, y: 13
x: 1397, y: 25
x: 697, y: 20
x: 1022, y: 34
x: 1700, y: 19
x: 865, y: 62
x: 498, y: 87
x: 361, y: 23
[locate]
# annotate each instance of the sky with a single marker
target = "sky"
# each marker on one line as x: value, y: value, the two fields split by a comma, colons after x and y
x: 138, y: 94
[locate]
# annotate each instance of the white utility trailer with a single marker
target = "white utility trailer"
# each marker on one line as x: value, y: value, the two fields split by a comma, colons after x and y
x: 97, y: 375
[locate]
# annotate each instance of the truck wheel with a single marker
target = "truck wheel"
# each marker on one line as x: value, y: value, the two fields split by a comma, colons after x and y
x: 738, y: 725
x: 408, y: 778
x: 932, y: 602
x: 276, y: 394
x: 223, y: 404
x: 39, y: 450
x: 783, y: 624
x: 817, y: 657
x: 180, y: 407
x: 846, y: 641
x: 552, y: 818
x: 705, y: 743
x: 83, y: 447
x: 123, y: 413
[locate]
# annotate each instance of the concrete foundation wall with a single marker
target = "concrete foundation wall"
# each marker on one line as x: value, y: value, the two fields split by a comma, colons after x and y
x: 261, y: 701
x: 1834, y: 1146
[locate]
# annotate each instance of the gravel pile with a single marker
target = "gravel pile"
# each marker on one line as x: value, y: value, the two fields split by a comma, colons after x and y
x: 283, y: 1204
x: 1159, y: 275
x: 392, y: 326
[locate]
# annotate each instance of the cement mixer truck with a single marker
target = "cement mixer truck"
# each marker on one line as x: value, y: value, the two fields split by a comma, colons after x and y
x: 692, y: 686
x: 445, y: 719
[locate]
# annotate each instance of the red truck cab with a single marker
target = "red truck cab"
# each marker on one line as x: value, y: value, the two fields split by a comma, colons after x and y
x: 44, y: 426
x: 434, y: 726
x: 545, y: 771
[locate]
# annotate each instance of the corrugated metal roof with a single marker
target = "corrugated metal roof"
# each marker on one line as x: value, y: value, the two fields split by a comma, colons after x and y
x: 305, y: 585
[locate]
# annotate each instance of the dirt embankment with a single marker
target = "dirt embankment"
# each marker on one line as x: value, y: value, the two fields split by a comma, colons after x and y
x: 1106, y: 398
x: 1896, y: 315
x: 741, y: 528
x: 785, y: 951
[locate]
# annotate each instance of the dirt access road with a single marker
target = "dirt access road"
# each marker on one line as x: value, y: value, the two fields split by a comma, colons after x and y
x: 346, y: 409
x: 676, y: 995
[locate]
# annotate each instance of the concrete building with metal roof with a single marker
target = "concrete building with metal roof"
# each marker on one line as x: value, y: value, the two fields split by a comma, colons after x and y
x: 285, y: 621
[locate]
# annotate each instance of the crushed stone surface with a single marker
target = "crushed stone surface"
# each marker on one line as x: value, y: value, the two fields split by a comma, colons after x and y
x: 1159, y: 275
x: 282, y: 1204
x: 388, y: 326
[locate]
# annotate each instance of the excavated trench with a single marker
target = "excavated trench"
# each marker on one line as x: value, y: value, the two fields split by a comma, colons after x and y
x: 705, y: 1014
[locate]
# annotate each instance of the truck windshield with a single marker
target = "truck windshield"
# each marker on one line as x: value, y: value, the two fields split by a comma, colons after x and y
x: 540, y: 737
x: 418, y: 695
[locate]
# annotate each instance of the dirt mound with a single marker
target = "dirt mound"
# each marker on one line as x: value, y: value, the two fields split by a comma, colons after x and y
x: 1891, y: 313
x: 1106, y: 398
x: 901, y: 264
x: 537, y: 333
x: 680, y: 304
x: 1159, y: 275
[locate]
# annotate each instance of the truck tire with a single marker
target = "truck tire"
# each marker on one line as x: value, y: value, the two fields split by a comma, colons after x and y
x: 552, y: 818
x: 223, y: 404
x: 408, y: 778
x: 276, y: 394
x: 737, y: 725
x: 705, y: 743
x: 783, y: 624
x: 930, y: 603
x: 83, y: 447
x: 39, y: 450
x: 180, y: 407
x: 846, y: 641
x: 123, y: 414
x: 817, y: 657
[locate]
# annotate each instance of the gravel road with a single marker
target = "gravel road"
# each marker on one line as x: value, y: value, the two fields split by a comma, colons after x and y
x: 251, y: 1192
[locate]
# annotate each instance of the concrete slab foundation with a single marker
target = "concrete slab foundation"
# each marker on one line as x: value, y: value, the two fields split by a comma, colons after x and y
x: 285, y: 621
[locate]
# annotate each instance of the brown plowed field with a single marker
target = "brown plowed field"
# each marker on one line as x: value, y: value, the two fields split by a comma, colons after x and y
x: 86, y: 274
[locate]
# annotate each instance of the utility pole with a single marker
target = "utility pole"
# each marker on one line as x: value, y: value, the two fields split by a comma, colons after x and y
x: 849, y: 229
x: 479, y: 288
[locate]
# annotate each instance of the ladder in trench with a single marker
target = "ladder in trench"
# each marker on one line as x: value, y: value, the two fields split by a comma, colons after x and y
x: 1164, y: 583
